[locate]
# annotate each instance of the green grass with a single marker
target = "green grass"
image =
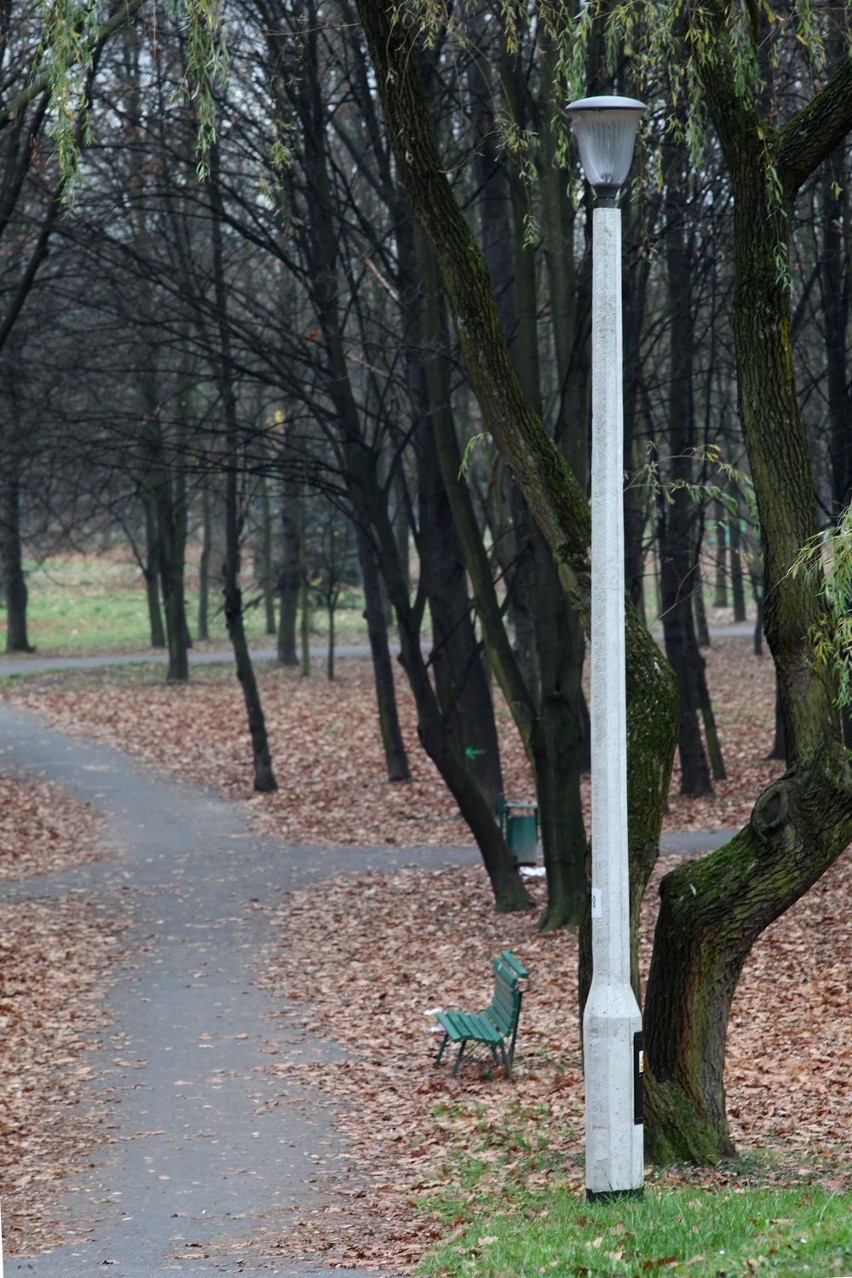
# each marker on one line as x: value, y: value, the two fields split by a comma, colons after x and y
x: 510, y: 1203
x: 83, y: 606
x: 670, y: 1231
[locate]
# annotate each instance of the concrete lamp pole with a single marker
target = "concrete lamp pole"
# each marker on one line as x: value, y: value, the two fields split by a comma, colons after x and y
x: 605, y: 128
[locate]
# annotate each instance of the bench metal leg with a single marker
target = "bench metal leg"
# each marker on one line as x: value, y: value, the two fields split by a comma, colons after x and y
x: 444, y: 1042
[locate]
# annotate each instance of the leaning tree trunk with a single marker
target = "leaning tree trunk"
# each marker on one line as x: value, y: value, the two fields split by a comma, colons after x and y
x: 712, y: 911
x: 556, y: 500
x: 264, y: 777
x: 552, y: 729
x: 461, y: 680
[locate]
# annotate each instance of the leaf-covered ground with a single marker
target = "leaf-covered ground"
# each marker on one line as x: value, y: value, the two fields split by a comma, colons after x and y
x: 53, y: 957
x: 416, y: 940
x: 420, y: 939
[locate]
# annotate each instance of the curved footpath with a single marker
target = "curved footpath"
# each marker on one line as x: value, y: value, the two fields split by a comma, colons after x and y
x: 205, y: 1149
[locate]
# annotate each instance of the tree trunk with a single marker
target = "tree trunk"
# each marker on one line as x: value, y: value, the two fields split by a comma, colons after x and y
x: 712, y: 911
x: 779, y: 743
x: 557, y: 744
x: 637, y: 220
x: 166, y: 483
x: 396, y: 760
x: 267, y: 568
x: 14, y: 578
x: 720, y: 589
x: 702, y: 630
x: 151, y: 571
x: 203, y: 627
x: 289, y: 575
x: 369, y: 498
x: 11, y: 549
x: 461, y: 681
x: 737, y: 576
x: 330, y: 610
x: 304, y: 588
x: 681, y: 644
x: 264, y: 777
x: 547, y: 715
x: 678, y: 558
x: 835, y: 281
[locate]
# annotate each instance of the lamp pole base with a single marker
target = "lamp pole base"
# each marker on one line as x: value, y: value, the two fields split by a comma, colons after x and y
x: 612, y: 1195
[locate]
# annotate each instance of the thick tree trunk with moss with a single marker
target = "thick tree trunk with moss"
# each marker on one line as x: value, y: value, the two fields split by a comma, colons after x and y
x: 556, y: 501
x: 712, y: 911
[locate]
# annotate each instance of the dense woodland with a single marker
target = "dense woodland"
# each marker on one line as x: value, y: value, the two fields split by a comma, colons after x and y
x: 307, y: 287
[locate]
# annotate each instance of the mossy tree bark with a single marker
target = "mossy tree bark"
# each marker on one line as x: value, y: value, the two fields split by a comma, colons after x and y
x: 555, y: 499
x: 712, y: 911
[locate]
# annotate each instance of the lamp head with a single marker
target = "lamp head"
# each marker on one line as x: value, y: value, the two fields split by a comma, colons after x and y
x: 606, y: 133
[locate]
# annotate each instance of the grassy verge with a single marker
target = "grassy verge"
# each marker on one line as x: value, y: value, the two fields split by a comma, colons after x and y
x: 703, y: 1233
x: 512, y: 1205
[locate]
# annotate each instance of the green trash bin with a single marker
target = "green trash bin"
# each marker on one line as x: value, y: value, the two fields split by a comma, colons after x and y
x: 519, y: 823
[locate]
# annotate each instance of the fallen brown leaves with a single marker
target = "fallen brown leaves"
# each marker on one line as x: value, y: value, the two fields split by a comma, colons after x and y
x: 42, y: 831
x: 52, y: 958
x: 367, y: 958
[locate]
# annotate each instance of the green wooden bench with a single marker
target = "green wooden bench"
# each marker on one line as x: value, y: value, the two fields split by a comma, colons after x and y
x: 497, y: 1025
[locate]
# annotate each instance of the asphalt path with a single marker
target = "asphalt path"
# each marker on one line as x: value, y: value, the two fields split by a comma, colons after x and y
x: 33, y: 663
x: 206, y: 1148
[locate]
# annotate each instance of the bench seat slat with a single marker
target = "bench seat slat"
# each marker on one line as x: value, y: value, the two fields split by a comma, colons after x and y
x: 473, y: 1025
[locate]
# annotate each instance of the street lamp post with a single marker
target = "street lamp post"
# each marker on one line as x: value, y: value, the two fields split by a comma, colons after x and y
x: 605, y: 128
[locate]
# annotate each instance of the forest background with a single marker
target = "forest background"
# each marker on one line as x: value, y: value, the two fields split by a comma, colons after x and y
x: 290, y: 346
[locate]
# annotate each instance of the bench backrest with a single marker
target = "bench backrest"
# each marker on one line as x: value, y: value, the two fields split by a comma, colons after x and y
x: 505, y: 1006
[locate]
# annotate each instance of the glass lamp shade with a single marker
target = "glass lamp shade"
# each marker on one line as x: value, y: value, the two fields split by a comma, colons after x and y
x: 605, y: 128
